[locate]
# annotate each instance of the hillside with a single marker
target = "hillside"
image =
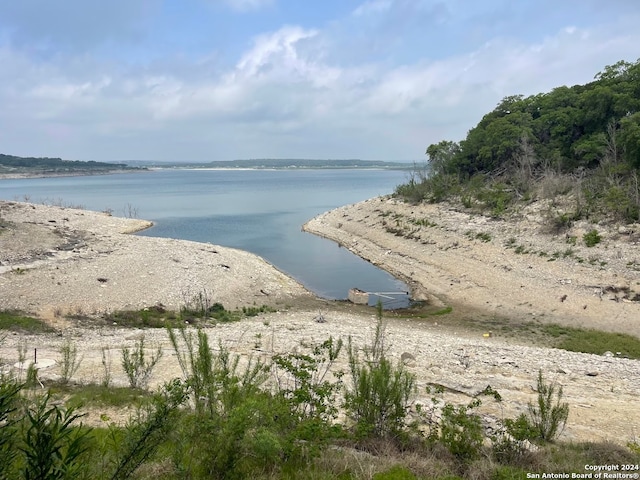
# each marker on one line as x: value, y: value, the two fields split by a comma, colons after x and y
x: 580, y: 142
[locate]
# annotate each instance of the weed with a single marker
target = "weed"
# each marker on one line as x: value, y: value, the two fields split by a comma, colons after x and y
x: 130, y: 211
x: 214, y: 381
x: 591, y: 238
x: 137, y: 368
x: 483, y: 236
x: 153, y: 317
x: 424, y: 222
x: 106, y: 366
x: 255, y: 311
x: 69, y: 361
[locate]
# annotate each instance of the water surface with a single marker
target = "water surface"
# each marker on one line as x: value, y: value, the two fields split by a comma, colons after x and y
x: 261, y: 211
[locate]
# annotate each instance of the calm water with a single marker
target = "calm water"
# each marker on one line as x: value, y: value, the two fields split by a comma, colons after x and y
x: 261, y: 211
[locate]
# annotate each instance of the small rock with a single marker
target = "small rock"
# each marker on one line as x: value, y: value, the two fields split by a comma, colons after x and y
x: 408, y: 359
x: 607, y: 354
x: 137, y: 336
x: 592, y: 374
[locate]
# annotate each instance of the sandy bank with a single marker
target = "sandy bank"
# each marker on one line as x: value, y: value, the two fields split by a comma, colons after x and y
x: 500, y: 268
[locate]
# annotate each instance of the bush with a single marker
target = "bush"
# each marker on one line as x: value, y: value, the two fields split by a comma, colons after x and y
x: 53, y: 448
x: 305, y: 385
x: 549, y: 415
x: 378, y: 401
x: 144, y: 433
x: 592, y: 238
x: 511, y: 442
x: 461, y: 431
x: 9, y: 405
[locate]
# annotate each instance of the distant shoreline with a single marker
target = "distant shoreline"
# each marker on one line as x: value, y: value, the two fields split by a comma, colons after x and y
x: 88, y: 173
x: 83, y: 173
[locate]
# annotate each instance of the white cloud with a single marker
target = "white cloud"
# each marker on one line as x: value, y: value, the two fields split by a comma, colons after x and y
x: 284, y: 97
x: 372, y: 7
x: 276, y: 54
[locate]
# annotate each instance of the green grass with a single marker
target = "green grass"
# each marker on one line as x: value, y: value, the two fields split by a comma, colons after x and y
x: 594, y: 341
x: 153, y: 317
x: 443, y: 311
x: 99, y: 395
x: 20, y: 322
x: 158, y: 317
x: 546, y: 334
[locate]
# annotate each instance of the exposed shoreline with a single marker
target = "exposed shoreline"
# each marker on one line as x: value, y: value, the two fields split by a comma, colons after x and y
x: 59, y: 262
x: 503, y: 269
x: 62, y: 259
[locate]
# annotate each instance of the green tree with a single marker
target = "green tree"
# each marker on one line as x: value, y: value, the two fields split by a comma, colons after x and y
x: 441, y: 156
x: 630, y: 138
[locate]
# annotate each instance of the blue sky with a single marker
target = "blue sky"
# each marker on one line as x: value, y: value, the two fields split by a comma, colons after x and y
x: 203, y: 80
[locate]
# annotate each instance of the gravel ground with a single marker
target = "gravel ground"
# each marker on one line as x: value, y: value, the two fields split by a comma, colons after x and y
x: 507, y: 269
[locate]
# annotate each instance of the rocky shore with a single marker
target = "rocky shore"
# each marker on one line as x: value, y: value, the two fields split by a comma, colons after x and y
x: 55, y: 262
x: 505, y: 269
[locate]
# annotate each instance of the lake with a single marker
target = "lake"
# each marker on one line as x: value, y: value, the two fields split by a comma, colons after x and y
x: 261, y: 211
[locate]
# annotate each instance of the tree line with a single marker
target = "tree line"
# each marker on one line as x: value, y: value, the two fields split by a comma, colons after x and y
x: 56, y: 164
x: 589, y: 132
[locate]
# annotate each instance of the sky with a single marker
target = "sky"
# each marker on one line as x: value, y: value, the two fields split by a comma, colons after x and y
x: 206, y: 80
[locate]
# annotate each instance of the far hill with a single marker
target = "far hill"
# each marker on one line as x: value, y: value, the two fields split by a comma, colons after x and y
x: 44, y: 166
x: 306, y: 163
